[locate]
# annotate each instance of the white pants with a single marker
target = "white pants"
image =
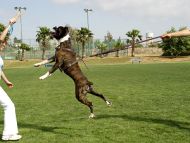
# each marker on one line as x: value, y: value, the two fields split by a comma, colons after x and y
x: 10, y: 121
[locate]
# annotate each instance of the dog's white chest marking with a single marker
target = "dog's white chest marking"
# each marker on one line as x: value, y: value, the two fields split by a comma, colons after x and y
x: 64, y: 38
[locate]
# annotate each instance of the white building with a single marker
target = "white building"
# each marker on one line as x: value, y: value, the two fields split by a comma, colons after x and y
x: 149, y: 35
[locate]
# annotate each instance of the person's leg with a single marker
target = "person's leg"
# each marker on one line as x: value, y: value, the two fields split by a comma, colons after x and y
x: 10, y: 121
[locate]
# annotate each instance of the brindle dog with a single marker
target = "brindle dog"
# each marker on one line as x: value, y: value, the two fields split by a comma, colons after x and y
x: 65, y: 59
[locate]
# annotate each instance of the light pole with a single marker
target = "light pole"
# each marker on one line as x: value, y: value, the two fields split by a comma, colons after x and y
x: 87, y: 10
x: 20, y: 9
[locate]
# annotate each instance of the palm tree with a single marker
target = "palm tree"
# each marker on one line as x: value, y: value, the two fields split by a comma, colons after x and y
x: 118, y: 45
x: 17, y: 44
x: 83, y: 36
x: 43, y: 37
x: 134, y: 36
x: 24, y: 47
x: 101, y: 46
x: 73, y: 33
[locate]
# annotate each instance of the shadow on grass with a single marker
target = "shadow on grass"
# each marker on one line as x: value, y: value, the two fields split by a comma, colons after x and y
x: 50, y: 129
x: 167, y: 122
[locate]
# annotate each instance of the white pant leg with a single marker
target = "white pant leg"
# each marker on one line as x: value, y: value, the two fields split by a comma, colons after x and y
x: 10, y: 121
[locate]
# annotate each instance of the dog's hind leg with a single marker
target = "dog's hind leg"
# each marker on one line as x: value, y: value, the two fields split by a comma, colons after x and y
x: 81, y: 97
x: 91, y: 91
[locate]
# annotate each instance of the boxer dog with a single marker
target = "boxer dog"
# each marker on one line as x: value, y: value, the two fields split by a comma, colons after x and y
x: 65, y: 60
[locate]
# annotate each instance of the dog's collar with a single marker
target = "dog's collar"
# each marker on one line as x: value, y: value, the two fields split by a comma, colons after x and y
x: 62, y: 40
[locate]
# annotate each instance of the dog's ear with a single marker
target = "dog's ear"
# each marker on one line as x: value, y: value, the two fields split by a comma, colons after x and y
x: 66, y: 29
x: 63, y: 30
x: 54, y: 28
x: 60, y: 28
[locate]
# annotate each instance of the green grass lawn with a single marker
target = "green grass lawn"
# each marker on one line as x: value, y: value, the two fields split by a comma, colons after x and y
x: 151, y: 104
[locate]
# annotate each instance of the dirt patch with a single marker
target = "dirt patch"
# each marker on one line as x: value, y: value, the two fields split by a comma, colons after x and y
x: 149, y: 59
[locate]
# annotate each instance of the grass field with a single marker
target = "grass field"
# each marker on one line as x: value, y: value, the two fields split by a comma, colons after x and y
x: 151, y: 104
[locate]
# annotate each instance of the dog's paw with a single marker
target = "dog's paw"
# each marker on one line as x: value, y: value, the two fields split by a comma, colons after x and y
x: 91, y: 116
x: 44, y: 76
x: 108, y: 103
x: 41, y: 77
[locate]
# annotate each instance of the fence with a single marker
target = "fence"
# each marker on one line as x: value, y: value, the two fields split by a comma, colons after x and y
x: 35, y: 53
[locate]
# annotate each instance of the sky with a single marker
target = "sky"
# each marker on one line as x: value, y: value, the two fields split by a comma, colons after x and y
x: 114, y: 16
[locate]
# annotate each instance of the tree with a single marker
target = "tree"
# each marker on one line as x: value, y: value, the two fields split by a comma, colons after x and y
x: 175, y: 46
x: 134, y: 36
x: 119, y: 44
x: 43, y: 38
x: 109, y: 39
x: 24, y: 47
x: 73, y: 33
x: 83, y: 36
x: 101, y: 46
x: 17, y: 45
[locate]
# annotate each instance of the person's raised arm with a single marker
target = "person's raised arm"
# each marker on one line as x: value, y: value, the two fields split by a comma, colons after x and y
x: 11, y: 22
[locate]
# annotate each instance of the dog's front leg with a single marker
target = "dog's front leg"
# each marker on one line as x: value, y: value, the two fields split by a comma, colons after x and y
x: 45, y: 76
x: 52, y: 59
x: 54, y: 68
x: 41, y: 63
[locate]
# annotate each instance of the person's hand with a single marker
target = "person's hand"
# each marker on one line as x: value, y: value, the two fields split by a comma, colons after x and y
x: 166, y: 36
x: 9, y: 84
x: 12, y: 20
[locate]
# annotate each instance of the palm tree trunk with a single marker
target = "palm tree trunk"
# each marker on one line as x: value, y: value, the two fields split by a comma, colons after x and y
x: 78, y: 48
x: 18, y: 54
x: 101, y: 54
x: 83, y: 50
x: 22, y: 56
x: 133, y: 49
x: 43, y: 53
x: 117, y: 53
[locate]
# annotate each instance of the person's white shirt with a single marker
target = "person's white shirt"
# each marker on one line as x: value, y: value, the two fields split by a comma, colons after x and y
x: 1, y: 66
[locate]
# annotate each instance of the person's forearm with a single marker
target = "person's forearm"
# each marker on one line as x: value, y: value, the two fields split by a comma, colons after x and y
x: 4, y: 77
x: 180, y: 33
